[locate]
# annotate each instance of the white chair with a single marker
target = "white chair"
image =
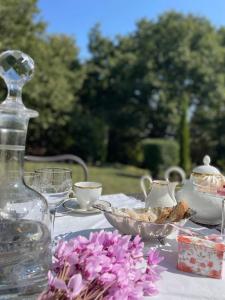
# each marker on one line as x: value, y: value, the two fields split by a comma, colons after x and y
x: 61, y: 158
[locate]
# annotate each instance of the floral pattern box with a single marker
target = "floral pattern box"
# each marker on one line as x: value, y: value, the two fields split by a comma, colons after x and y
x: 202, y: 256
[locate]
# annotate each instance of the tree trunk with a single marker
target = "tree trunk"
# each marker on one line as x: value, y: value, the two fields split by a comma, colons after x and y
x: 185, y: 160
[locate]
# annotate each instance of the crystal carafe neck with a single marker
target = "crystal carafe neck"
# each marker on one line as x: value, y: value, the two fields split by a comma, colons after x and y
x: 13, y: 130
x: 14, y: 92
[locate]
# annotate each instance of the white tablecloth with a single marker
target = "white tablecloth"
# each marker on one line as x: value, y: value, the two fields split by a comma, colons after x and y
x: 174, y: 285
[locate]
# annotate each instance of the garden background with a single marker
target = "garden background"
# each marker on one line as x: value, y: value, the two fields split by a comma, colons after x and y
x: 141, y: 102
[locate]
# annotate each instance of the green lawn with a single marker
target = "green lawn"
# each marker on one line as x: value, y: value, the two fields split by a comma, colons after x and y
x: 115, y: 179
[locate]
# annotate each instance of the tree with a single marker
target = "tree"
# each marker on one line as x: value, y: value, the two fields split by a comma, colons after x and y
x: 110, y: 93
x: 58, y: 74
x: 54, y: 90
x: 17, y: 30
x: 139, y: 83
x: 183, y: 56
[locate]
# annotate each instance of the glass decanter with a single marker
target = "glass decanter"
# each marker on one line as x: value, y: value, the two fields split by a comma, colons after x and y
x: 25, y: 239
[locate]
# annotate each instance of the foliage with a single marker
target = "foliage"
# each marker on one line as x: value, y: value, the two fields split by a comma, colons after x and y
x: 159, y: 155
x: 58, y: 74
x: 186, y: 59
x: 89, y: 136
x: 17, y: 30
x: 108, y: 92
x: 134, y: 81
x: 53, y: 92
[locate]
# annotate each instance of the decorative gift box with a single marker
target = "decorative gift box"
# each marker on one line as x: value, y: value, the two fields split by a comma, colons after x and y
x: 201, y: 255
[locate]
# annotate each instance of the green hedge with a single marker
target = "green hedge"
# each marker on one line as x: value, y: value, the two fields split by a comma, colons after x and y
x: 159, y: 154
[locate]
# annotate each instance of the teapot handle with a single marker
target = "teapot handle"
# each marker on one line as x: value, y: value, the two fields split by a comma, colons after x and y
x: 171, y: 190
x: 143, y: 185
x: 176, y: 169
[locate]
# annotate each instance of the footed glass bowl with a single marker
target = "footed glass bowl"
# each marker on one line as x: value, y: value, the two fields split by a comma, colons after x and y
x: 147, y: 230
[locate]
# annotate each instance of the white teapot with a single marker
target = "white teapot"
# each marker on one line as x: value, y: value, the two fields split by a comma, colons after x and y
x: 162, y: 192
x: 199, y: 192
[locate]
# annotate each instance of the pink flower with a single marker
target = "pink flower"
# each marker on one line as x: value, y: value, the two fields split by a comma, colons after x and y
x: 105, y: 263
x: 75, y: 284
x: 58, y: 284
x: 154, y: 258
x: 150, y: 289
x: 153, y: 272
x: 107, y: 278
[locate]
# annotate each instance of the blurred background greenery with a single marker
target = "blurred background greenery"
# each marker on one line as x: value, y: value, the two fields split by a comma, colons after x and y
x: 151, y: 99
x: 115, y: 178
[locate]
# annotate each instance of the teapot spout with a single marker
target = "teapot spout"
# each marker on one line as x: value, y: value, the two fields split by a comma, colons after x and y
x: 171, y: 190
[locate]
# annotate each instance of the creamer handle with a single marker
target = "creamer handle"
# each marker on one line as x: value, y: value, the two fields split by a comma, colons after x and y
x: 143, y: 185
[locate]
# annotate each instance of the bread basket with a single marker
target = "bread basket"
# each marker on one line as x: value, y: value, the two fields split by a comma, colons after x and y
x: 147, y: 230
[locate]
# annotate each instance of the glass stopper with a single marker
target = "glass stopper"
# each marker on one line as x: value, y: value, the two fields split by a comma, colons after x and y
x: 16, y: 68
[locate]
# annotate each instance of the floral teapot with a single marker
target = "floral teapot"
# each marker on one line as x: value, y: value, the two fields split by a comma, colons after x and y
x: 200, y: 191
x: 162, y: 192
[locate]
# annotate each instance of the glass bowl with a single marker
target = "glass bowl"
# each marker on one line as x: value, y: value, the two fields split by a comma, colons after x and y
x: 147, y: 230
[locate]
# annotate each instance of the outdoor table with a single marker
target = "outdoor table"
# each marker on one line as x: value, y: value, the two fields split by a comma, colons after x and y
x: 174, y: 285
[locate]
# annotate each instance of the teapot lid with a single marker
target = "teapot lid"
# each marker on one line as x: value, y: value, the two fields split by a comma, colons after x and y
x: 206, y: 168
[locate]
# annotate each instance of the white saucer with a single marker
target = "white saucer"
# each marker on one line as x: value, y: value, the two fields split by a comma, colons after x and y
x: 73, y: 206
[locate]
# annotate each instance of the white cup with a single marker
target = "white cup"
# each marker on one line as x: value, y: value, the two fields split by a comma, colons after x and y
x: 87, y: 193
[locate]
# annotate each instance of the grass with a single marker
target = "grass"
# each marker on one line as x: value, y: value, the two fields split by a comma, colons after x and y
x: 115, y: 179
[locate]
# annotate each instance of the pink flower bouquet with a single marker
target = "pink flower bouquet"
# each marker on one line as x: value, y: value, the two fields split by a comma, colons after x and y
x: 104, y: 266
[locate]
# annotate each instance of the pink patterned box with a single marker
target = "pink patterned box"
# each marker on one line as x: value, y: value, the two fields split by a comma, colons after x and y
x: 201, y: 256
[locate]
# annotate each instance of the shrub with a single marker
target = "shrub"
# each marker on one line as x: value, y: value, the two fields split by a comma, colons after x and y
x: 159, y: 154
x: 129, y: 153
x: 124, y: 147
x: 89, y: 138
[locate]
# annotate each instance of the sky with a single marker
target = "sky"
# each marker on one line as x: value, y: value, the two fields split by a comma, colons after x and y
x: 77, y: 17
